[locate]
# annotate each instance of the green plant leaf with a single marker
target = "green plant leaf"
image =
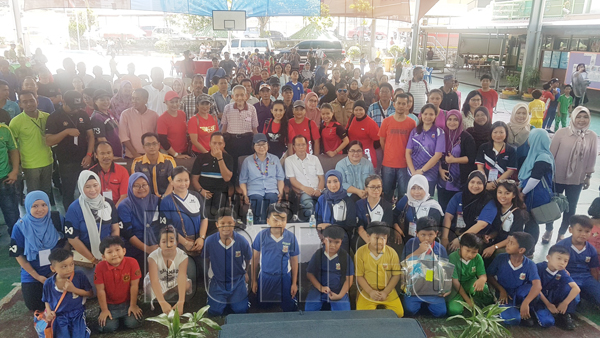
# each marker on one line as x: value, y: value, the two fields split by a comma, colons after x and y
x: 202, y: 311
x: 210, y: 323
x: 162, y: 319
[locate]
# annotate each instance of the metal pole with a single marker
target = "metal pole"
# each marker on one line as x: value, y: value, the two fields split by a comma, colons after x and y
x: 534, y: 32
x: 18, y: 26
x: 77, y: 27
x: 414, y: 47
x: 502, y: 46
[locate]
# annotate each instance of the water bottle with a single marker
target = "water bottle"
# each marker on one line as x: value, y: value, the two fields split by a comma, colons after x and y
x: 249, y: 218
x: 312, y: 223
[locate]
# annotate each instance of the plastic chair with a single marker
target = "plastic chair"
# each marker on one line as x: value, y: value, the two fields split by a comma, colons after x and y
x: 428, y: 74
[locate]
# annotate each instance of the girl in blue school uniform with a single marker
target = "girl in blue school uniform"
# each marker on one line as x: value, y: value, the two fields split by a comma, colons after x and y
x: 89, y: 219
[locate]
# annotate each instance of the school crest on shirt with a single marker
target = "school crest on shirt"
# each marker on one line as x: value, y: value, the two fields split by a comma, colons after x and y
x: 65, y: 123
x: 238, y: 254
x: 338, y: 266
x: 557, y: 277
x: 473, y: 269
x: 285, y: 248
x: 587, y: 259
x: 522, y: 276
x: 81, y: 120
x: 138, y: 273
x: 126, y: 278
x: 385, y: 265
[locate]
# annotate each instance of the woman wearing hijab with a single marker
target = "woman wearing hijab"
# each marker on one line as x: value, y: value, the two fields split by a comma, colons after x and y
x: 457, y: 161
x: 361, y: 127
x: 312, y: 111
x: 336, y: 208
x: 179, y: 87
x: 539, y: 165
x: 482, y: 126
x: 469, y: 211
x: 32, y: 239
x: 329, y: 95
x: 139, y: 212
x: 122, y: 99
x: 574, y: 148
x: 89, y: 219
x: 472, y: 102
x: 415, y: 204
x: 518, y: 131
x: 354, y: 93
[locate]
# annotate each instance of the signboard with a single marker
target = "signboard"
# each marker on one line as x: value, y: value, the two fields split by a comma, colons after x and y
x: 564, y: 60
x: 555, y: 59
x: 592, y: 67
x: 547, y: 58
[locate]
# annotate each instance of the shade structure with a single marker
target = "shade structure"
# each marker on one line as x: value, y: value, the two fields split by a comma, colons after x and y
x: 378, y: 9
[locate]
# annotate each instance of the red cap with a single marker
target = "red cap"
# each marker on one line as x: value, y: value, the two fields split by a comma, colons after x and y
x: 171, y: 95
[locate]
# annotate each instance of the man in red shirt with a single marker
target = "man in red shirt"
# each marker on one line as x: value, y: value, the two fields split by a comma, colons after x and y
x: 114, y: 179
x: 117, y: 279
x: 306, y: 127
x: 490, y: 96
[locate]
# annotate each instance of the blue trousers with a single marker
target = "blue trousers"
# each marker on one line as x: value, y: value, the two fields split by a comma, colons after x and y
x: 394, y: 179
x: 544, y: 316
x: 590, y: 288
x: 435, y: 304
x: 512, y: 316
x: 316, y: 299
x: 71, y: 325
x: 221, y: 295
x: 259, y: 205
x: 276, y: 289
x: 549, y: 120
x: 118, y: 312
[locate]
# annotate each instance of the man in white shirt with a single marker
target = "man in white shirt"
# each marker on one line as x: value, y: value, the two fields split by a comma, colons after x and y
x: 417, y: 86
x: 306, y: 176
x: 157, y: 90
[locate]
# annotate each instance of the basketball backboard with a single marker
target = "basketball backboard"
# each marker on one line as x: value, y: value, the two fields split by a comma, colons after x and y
x: 229, y: 20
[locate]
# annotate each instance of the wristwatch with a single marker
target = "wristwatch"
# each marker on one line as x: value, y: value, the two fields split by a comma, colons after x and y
x: 203, y: 236
x: 176, y: 154
x: 496, y: 247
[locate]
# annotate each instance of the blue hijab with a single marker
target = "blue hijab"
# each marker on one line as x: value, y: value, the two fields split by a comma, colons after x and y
x: 539, y: 150
x: 142, y: 208
x: 339, y: 195
x: 39, y: 233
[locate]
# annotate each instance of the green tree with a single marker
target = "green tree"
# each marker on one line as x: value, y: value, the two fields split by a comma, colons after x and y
x: 321, y: 22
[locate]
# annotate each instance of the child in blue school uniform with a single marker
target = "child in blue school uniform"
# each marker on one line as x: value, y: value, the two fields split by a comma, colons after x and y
x: 330, y: 272
x: 226, y: 252
x: 516, y: 280
x: 276, y: 250
x: 424, y: 243
x: 560, y: 293
x: 583, y: 262
x: 69, y: 316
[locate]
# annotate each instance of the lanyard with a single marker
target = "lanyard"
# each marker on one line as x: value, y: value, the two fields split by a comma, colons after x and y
x: 38, y: 125
x: 106, y: 183
x: 266, y: 172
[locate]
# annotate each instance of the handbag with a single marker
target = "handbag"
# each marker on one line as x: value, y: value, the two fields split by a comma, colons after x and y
x: 43, y: 327
x: 426, y: 275
x: 552, y: 210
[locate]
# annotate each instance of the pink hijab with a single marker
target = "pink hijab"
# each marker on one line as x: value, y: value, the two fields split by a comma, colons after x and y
x: 120, y: 101
x: 183, y: 91
x: 312, y: 114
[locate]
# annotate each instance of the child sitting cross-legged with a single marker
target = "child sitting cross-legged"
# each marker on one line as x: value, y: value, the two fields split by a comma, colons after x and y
x: 469, y: 277
x: 425, y: 244
x: 73, y: 287
x: 330, y: 271
x: 516, y: 280
x: 560, y: 294
x: 117, y: 280
x: 378, y: 272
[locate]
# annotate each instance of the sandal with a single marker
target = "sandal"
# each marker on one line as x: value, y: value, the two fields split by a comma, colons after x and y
x: 547, y: 237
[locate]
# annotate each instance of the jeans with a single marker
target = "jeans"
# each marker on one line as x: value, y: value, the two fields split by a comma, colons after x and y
x: 69, y: 173
x: 9, y: 204
x: 572, y: 193
x: 259, y: 205
x: 39, y: 179
x: 118, y: 312
x: 550, y: 115
x: 394, y: 179
x: 307, y: 206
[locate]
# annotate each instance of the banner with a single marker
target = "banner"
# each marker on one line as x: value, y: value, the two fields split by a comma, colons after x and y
x: 197, y: 7
x: 256, y: 8
x: 592, y: 67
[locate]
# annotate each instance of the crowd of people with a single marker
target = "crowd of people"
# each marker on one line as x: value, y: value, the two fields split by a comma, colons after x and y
x: 201, y: 151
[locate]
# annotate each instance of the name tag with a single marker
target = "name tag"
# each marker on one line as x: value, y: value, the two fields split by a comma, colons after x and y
x: 76, y: 140
x: 43, y: 257
x: 493, y: 175
x: 107, y: 194
x: 460, y: 221
x: 412, y: 229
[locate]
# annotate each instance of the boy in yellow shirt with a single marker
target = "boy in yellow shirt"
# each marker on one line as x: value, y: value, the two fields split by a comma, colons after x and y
x: 536, y: 109
x: 378, y: 272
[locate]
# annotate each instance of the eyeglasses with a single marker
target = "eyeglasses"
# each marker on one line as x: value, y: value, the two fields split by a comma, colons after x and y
x: 355, y: 151
x: 342, y: 90
x: 377, y: 187
x: 261, y: 144
x: 152, y: 144
x: 138, y: 187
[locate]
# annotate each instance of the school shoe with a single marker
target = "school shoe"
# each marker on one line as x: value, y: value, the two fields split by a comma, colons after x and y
x: 565, y: 322
x: 528, y: 322
x: 547, y: 237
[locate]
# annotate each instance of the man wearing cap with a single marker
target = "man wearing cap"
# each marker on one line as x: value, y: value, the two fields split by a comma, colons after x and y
x: 450, y: 98
x: 417, y: 86
x: 5, y: 103
x: 36, y: 157
x: 306, y: 127
x: 137, y: 121
x: 157, y: 90
x: 222, y: 97
x: 263, y: 108
x: 44, y: 103
x: 261, y: 178
x: 172, y: 128
x: 342, y: 105
x: 69, y: 131
x: 288, y: 103
x: 275, y: 89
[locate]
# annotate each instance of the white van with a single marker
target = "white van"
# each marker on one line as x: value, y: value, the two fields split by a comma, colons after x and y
x: 248, y: 45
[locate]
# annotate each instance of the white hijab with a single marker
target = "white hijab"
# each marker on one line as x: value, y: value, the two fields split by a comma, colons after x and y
x: 581, y: 145
x: 425, y: 204
x: 87, y: 205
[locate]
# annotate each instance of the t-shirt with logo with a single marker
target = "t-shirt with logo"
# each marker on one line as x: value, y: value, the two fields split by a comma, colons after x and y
x: 331, y: 270
x: 581, y: 261
x: 207, y: 167
x: 466, y: 271
x: 552, y: 281
x: 30, y: 133
x: 75, y: 225
x: 72, y: 304
x: 203, y: 128
x: 298, y: 90
x: 276, y: 252
x: 311, y: 133
x: 107, y: 126
x: 70, y: 149
x: 117, y: 280
x: 175, y: 128
x: 227, y: 261
x: 511, y: 277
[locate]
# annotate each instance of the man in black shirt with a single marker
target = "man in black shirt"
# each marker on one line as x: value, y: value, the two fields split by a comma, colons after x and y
x: 69, y: 132
x: 211, y: 173
x: 450, y: 99
x: 227, y: 64
x: 99, y: 82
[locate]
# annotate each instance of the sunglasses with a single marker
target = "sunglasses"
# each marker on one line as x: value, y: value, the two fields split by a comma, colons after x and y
x: 342, y: 90
x: 507, y: 181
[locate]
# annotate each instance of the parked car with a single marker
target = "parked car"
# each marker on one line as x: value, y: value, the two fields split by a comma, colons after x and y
x: 277, y: 36
x: 332, y: 49
x: 159, y: 33
x: 252, y: 32
x: 148, y: 30
x: 366, y: 32
x: 248, y: 45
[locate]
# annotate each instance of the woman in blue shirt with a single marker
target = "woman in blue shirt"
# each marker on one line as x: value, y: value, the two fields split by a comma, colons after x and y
x: 355, y: 168
x: 469, y: 211
x: 374, y: 208
x: 33, y: 236
x: 139, y: 215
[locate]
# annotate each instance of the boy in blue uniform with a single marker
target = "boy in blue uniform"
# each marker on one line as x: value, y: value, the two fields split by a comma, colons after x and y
x: 226, y: 252
x: 516, y: 280
x: 277, y: 250
x: 583, y: 262
x: 425, y: 243
x: 330, y: 271
x: 297, y: 87
x: 70, y: 315
x: 560, y: 294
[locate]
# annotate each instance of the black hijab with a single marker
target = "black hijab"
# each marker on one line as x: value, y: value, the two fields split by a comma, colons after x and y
x: 481, y: 134
x: 473, y: 204
x: 330, y: 96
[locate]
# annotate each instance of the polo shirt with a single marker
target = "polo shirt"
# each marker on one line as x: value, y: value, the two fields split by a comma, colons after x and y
x: 382, y: 212
x: 511, y: 277
x: 221, y: 101
x: 207, y: 167
x: 117, y: 279
x: 308, y: 128
x: 133, y: 124
x: 31, y: 137
x: 114, y: 183
x: 306, y: 171
x: 552, y: 281
x: 239, y: 121
x: 159, y: 174
x: 227, y: 262
x: 330, y: 270
x: 466, y: 271
x: 7, y: 143
x: 455, y: 207
x: 276, y: 252
x: 108, y: 127
x: 581, y: 261
x: 332, y: 135
x: 396, y: 136
x: 45, y: 104
x: 378, y: 114
x: 297, y: 88
x: 536, y: 109
x: 72, y: 303
x: 343, y: 112
x: 263, y: 113
x: 12, y: 108
x: 424, y: 146
x: 489, y: 158
x: 413, y: 244
x: 75, y: 223
x: 70, y: 149
x: 185, y: 214
x: 450, y: 100
x: 261, y: 177
x: 175, y: 128
x: 490, y: 99
x: 134, y: 226
x: 377, y: 270
x: 156, y: 98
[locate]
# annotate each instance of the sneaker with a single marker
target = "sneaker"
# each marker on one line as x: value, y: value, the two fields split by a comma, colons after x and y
x: 566, y: 322
x: 527, y: 322
x: 547, y: 237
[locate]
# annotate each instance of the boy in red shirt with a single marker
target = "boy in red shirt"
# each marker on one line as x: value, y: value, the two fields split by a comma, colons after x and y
x: 490, y: 96
x: 547, y: 96
x: 117, y: 281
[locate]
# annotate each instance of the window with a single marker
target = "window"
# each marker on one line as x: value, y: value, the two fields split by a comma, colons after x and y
x: 247, y: 43
x: 303, y: 45
x: 563, y: 44
x: 235, y: 43
x: 260, y: 43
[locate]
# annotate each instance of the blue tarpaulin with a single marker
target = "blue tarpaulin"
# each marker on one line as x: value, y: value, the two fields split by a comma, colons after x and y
x: 197, y: 7
x: 256, y: 8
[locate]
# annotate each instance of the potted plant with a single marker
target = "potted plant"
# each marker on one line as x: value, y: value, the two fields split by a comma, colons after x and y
x: 353, y: 52
x: 510, y: 91
x: 196, y: 326
x: 532, y: 78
